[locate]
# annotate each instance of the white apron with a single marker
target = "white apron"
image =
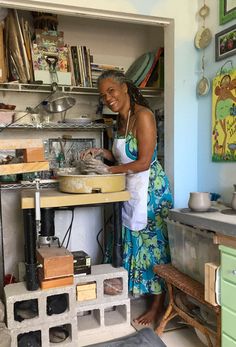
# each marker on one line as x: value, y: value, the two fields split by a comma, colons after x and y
x: 134, y: 211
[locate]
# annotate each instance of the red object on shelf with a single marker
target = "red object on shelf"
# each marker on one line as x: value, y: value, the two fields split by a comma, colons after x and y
x: 157, y: 56
x: 8, y: 279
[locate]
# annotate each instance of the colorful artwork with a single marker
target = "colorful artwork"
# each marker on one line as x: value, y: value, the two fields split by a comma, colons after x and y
x: 224, y: 117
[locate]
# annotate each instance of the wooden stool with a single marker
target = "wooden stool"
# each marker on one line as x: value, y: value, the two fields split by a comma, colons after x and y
x: 176, y: 279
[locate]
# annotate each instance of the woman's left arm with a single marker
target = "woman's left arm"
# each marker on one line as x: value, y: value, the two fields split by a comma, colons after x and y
x: 145, y: 132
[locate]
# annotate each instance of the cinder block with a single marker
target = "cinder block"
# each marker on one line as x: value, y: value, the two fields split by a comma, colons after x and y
x: 17, y: 292
x: 95, y: 318
x: 100, y: 273
x: 44, y: 329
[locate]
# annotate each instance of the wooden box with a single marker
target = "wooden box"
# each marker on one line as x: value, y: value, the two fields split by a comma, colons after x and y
x: 86, y: 291
x: 33, y: 154
x: 56, y: 282
x: 55, y: 261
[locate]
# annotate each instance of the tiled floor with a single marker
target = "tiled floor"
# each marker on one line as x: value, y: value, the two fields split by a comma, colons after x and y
x: 176, y: 336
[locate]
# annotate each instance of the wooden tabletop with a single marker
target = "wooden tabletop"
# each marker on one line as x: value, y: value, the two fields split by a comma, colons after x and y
x: 55, y: 198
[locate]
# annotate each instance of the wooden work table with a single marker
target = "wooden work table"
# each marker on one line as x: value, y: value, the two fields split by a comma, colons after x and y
x: 55, y: 198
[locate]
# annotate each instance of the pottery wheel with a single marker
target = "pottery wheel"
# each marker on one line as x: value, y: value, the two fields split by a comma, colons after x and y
x: 229, y: 211
x: 188, y: 210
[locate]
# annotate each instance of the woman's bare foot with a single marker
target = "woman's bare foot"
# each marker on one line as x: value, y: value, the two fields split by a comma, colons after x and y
x: 152, y: 315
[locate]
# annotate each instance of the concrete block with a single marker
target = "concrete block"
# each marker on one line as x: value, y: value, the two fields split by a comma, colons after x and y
x: 94, y: 318
x: 44, y: 329
x: 100, y: 273
x: 17, y: 292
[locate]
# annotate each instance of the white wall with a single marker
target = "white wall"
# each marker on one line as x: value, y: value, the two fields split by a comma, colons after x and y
x: 213, y: 177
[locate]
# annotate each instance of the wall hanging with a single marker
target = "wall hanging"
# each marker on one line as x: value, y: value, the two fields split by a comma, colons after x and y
x: 224, y: 115
x: 201, y: 41
x: 227, y: 11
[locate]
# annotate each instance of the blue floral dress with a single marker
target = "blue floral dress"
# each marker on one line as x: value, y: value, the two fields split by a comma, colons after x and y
x: 145, y: 248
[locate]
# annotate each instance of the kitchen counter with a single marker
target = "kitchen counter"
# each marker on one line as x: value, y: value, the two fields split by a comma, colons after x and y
x: 214, y: 221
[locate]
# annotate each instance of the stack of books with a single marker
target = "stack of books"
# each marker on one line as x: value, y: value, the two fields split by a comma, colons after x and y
x: 79, y: 60
x: 97, y: 69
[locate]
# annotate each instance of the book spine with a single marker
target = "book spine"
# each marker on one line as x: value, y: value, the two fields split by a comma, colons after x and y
x: 75, y: 60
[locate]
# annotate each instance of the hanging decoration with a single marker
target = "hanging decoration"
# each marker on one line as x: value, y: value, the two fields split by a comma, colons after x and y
x: 202, y: 40
x: 224, y: 115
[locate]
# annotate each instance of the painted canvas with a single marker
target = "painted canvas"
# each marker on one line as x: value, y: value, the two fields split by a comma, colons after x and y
x: 224, y: 117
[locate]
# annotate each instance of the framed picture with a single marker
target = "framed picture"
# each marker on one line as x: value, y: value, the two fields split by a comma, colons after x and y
x: 223, y: 117
x: 225, y: 43
x: 227, y: 10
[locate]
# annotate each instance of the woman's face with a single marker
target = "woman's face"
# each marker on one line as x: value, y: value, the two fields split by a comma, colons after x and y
x: 114, y: 95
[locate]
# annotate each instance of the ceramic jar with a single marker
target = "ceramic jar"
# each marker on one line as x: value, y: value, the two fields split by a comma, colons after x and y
x: 199, y: 201
x: 233, y: 202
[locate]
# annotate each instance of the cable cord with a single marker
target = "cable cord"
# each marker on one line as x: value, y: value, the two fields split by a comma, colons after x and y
x: 68, y: 232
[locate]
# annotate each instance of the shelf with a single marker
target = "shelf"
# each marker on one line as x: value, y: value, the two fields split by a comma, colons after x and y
x: 55, y: 126
x: 46, y: 88
x: 54, y: 198
x: 10, y: 169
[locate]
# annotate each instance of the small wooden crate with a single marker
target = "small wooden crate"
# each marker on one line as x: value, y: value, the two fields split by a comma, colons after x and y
x: 86, y: 291
x: 56, y: 282
x: 56, y: 262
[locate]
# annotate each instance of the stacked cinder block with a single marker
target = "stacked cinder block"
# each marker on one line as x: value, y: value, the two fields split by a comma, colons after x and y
x: 104, y: 311
x: 81, y: 318
x: 42, y: 322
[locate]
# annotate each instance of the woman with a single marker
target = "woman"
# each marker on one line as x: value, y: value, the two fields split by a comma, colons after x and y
x: 145, y: 241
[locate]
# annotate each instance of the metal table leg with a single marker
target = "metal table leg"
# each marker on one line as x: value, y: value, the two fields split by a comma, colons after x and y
x: 117, y: 256
x: 32, y: 282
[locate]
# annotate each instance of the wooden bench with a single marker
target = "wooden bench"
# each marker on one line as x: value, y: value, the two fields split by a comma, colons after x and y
x: 176, y: 279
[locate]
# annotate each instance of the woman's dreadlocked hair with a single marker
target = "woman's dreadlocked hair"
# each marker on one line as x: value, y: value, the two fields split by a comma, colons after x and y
x: 134, y: 93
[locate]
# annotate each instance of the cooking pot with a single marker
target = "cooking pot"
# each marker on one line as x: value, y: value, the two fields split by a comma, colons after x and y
x: 73, y: 183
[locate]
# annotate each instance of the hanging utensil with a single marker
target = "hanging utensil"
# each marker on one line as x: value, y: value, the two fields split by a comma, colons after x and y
x: 52, y: 61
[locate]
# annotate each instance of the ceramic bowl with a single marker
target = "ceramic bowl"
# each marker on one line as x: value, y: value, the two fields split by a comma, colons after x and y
x: 199, y: 201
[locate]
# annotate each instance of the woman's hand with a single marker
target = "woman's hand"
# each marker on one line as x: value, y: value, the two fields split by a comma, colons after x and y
x: 91, y: 152
x: 95, y: 166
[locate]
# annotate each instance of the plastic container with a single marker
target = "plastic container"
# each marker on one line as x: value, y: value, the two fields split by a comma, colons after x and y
x: 191, y: 248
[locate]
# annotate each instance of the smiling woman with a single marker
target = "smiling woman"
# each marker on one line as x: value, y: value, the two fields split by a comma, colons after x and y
x: 134, y: 152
